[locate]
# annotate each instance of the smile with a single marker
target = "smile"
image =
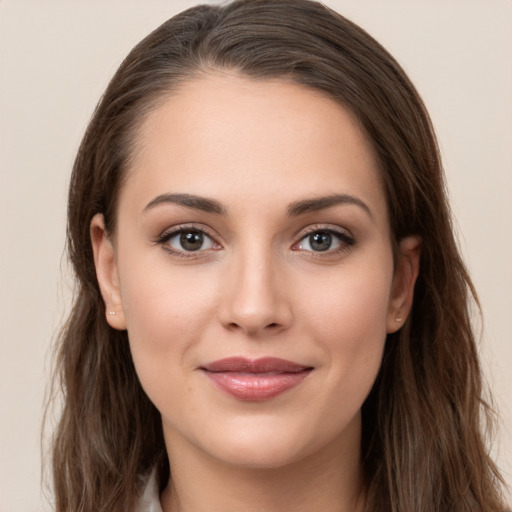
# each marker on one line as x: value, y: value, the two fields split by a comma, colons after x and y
x: 255, y: 380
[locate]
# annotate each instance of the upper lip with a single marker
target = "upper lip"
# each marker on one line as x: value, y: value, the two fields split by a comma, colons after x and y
x: 260, y: 365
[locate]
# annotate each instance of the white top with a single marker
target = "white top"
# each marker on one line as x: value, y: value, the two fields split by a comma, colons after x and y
x: 149, y: 501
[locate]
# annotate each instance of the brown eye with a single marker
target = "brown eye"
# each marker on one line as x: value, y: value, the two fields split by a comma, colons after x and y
x: 191, y: 240
x: 187, y: 240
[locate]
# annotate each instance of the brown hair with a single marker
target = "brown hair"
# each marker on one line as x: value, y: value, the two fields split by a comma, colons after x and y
x: 424, y: 421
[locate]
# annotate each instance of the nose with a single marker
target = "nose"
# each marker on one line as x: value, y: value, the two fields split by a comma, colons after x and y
x: 254, y: 297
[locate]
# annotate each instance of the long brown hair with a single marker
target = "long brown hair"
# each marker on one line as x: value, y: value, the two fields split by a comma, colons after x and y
x: 424, y: 422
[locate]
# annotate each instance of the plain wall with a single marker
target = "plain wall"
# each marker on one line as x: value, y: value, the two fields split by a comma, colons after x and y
x: 55, y: 60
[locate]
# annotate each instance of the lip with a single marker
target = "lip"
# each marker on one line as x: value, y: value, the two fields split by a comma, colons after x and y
x: 255, y: 379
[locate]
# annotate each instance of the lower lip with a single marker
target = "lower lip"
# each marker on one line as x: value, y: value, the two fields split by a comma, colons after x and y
x: 256, y: 386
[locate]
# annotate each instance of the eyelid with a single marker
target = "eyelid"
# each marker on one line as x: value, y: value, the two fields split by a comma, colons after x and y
x: 330, y: 228
x: 169, y: 233
x: 344, y: 236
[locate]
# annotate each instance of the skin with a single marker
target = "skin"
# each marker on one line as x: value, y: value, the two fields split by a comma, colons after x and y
x: 256, y: 288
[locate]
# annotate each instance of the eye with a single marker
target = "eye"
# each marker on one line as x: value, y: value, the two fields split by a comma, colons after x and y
x: 187, y: 240
x: 325, y: 240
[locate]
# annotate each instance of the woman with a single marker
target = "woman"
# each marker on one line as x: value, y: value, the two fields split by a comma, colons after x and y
x: 272, y: 312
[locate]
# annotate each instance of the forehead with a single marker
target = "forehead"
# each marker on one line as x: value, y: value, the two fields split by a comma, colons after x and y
x: 230, y: 136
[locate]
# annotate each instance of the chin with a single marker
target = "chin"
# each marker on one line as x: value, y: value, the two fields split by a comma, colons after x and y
x: 260, y: 456
x: 262, y: 444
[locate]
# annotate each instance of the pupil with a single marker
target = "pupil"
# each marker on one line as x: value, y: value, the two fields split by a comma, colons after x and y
x: 320, y: 241
x: 191, y: 241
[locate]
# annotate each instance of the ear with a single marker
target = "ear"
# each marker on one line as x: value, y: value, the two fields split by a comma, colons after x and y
x: 402, y: 290
x: 106, y: 272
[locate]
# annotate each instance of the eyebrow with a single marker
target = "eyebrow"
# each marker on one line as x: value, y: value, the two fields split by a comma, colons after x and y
x: 320, y: 203
x: 190, y: 201
x: 294, y: 209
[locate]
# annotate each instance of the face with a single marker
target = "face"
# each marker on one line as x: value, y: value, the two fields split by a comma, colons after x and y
x: 253, y: 270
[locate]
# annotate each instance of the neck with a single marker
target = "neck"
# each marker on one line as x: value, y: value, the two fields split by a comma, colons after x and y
x: 320, y: 481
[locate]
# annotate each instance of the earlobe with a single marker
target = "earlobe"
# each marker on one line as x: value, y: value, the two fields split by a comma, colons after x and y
x: 106, y: 272
x: 406, y: 273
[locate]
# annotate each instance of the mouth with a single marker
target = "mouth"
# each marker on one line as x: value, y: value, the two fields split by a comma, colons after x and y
x: 255, y: 379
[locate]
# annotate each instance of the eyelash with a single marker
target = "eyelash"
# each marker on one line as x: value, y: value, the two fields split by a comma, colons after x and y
x: 164, y: 238
x: 346, y: 241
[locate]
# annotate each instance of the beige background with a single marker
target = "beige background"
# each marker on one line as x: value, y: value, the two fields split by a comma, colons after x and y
x: 55, y: 60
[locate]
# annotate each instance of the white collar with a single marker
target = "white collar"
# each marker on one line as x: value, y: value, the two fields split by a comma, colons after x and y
x: 150, y: 499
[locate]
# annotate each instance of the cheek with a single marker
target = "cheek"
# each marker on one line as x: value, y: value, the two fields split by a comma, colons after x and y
x: 353, y: 299
x: 166, y: 311
x: 163, y: 299
x: 347, y: 316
